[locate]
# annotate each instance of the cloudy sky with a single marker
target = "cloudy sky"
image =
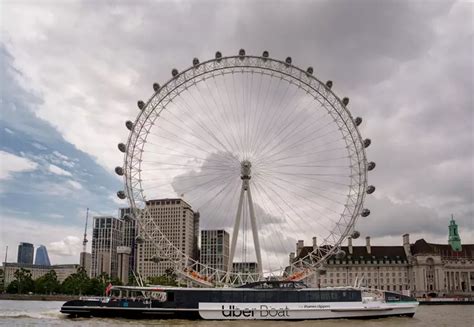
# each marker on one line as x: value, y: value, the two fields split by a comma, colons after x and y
x: 72, y: 72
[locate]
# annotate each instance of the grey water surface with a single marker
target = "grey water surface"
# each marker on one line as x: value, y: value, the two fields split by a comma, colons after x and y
x: 46, y: 313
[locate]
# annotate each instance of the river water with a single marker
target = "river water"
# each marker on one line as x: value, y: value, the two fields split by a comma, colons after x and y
x: 46, y: 313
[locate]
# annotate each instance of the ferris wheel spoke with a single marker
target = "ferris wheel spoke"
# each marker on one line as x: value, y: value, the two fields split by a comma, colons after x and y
x: 264, y: 108
x: 301, y: 194
x: 195, y: 134
x: 289, y: 208
x: 226, y: 116
x: 300, y: 141
x: 303, y: 183
x: 289, y: 120
x: 217, y: 125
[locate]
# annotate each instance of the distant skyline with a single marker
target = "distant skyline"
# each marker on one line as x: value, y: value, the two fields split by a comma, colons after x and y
x: 72, y: 73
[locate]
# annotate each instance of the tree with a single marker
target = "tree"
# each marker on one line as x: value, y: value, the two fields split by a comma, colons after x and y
x: 2, y: 280
x: 77, y: 283
x: 23, y: 283
x: 168, y: 279
x: 47, y: 283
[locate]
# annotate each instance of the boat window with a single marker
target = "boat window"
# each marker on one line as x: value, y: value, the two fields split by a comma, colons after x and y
x: 249, y: 297
x: 325, y: 296
x: 291, y: 296
x: 236, y: 296
x: 313, y: 297
x: 272, y: 296
x: 335, y: 296
x: 170, y: 296
x: 215, y: 296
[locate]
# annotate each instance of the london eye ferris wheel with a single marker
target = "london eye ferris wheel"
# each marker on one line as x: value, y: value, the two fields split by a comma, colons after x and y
x: 263, y: 150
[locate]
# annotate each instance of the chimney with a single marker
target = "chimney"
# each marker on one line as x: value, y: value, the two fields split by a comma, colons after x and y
x: 292, y: 257
x: 367, y: 244
x: 406, y: 244
x: 349, y: 244
x: 315, y: 243
x: 299, y: 247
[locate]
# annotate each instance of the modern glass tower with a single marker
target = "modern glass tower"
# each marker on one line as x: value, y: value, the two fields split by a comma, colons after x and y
x: 42, y: 257
x: 25, y: 253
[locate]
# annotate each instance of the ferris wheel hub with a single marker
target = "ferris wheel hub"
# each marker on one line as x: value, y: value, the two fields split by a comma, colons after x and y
x: 245, y: 169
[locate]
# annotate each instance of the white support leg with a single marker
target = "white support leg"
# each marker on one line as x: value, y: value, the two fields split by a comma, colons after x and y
x: 256, y: 242
x: 235, y: 232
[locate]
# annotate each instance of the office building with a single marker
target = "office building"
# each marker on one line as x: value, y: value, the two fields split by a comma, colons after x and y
x: 173, y: 218
x: 107, y: 235
x: 214, y: 249
x: 42, y: 257
x: 245, y: 267
x: 25, y: 253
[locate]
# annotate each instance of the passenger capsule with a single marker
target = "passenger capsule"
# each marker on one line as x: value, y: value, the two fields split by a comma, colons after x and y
x: 309, y: 70
x: 365, y: 212
x: 241, y: 52
x: 358, y: 121
x: 218, y: 55
x: 156, y: 87
x: 370, y: 189
x: 119, y: 171
x: 121, y: 195
x: 367, y: 142
x: 265, y: 54
x: 129, y: 125
x: 139, y: 239
x: 127, y: 218
x: 345, y: 101
x: 174, y: 72
x: 329, y: 84
x: 371, y: 165
x: 122, y: 147
x: 288, y: 60
x: 155, y: 259
x: 340, y: 254
x: 355, y: 234
x: 140, y: 104
x: 195, y: 61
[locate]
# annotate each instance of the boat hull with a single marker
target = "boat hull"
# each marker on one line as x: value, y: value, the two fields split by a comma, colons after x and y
x: 249, y: 311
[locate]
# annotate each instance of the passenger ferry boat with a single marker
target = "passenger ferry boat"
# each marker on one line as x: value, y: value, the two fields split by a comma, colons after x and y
x: 273, y: 300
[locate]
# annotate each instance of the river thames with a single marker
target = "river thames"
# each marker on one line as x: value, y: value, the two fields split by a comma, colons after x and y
x: 46, y: 313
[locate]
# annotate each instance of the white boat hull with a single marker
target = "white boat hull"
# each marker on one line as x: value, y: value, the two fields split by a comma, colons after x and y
x: 304, y: 311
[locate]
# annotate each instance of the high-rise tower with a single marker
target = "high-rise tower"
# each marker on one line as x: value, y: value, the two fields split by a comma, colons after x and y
x: 454, y: 239
x: 42, y: 257
x: 25, y: 253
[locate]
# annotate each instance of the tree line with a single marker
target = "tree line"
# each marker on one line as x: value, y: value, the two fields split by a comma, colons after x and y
x: 78, y: 283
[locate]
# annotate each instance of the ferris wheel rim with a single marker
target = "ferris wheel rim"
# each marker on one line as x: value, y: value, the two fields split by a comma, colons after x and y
x: 131, y: 180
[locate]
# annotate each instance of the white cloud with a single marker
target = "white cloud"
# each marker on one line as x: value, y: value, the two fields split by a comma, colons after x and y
x: 63, y: 242
x: 75, y: 185
x: 58, y: 171
x: 10, y: 164
x: 9, y: 131
x: 39, y: 146
x: 68, y: 246
x: 60, y: 155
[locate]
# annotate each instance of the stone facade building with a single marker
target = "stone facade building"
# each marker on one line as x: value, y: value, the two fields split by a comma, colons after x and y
x: 423, y: 269
x: 62, y: 271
